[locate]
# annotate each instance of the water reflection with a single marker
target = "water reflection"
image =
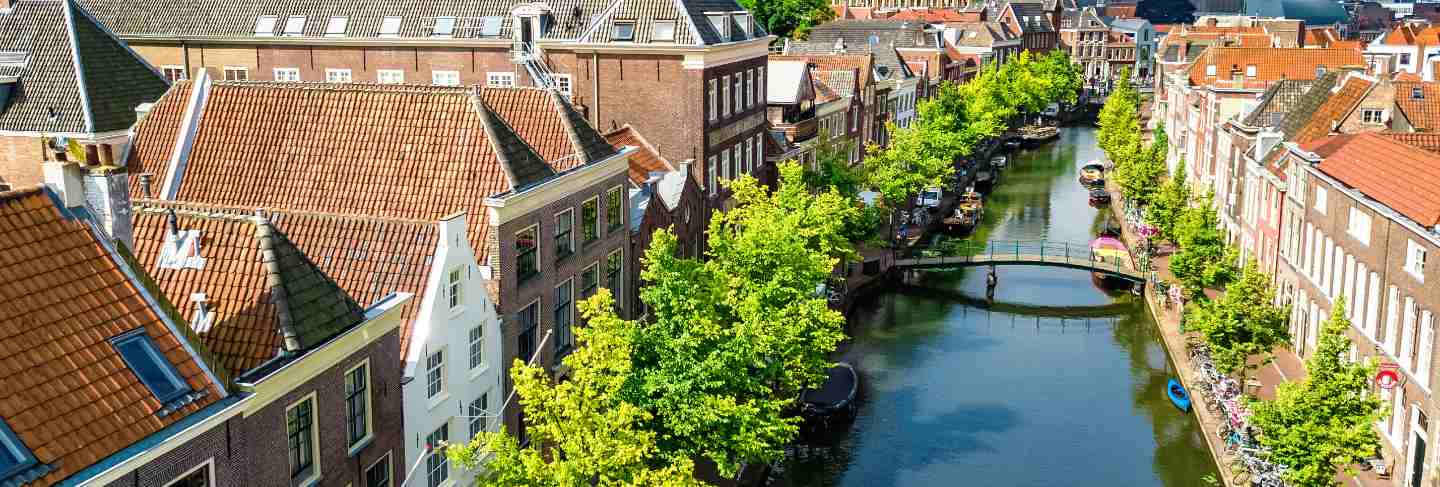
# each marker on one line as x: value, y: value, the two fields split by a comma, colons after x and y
x: 1058, y: 383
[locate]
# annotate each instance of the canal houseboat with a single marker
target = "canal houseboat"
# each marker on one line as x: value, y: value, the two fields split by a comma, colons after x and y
x: 967, y: 215
x: 1038, y: 134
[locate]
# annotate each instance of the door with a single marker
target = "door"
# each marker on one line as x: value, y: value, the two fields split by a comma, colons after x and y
x: 1417, y: 459
x: 527, y: 35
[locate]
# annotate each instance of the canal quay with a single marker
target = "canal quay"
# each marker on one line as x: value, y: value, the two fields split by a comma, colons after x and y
x: 1056, y: 383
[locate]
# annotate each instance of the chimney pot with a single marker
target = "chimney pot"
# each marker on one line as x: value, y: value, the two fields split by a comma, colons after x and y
x: 63, y: 178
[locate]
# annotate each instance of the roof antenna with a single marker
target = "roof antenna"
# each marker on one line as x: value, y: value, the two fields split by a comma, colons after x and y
x: 171, y: 224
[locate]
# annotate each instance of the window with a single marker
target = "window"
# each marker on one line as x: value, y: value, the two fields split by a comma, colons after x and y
x: 390, y: 76
x: 725, y: 93
x: 357, y: 403
x: 1415, y: 260
x: 529, y: 320
x: 614, y: 208
x: 590, y: 220
x: 435, y: 373
x: 624, y: 31
x: 200, y: 476
x: 390, y: 27
x: 337, y: 76
x: 710, y: 92
x: 455, y: 287
x: 749, y: 88
x: 526, y: 245
x: 743, y: 22
x: 564, y: 234
x: 173, y: 73
x: 742, y: 157
x: 564, y: 315
x: 295, y: 25
x: 1359, y: 225
x: 237, y: 73
x: 477, y: 346
x: 14, y: 456
x: 437, y: 465
x: 1319, y: 72
x: 265, y: 25
x: 444, y: 27
x: 1250, y: 71
x: 663, y: 30
x: 287, y: 74
x: 1417, y: 93
x: 563, y: 84
x: 714, y: 182
x: 499, y: 80
x: 378, y: 474
x: 300, y: 431
x: 1405, y: 58
x: 477, y: 412
x: 739, y: 93
x: 717, y: 22
x: 490, y: 26
x: 1320, y: 198
x: 1372, y: 115
x: 157, y: 373
x: 725, y: 164
x: 589, y: 280
x: 445, y: 78
x: 613, y: 266
x: 1209, y: 70
x: 336, y: 26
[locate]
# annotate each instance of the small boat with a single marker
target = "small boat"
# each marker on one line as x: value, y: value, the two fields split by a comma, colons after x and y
x: 1177, y: 394
x: 999, y: 161
x: 1038, y: 133
x: 1099, y: 197
x: 834, y: 401
x: 1012, y: 144
x: 1108, y: 250
x: 1092, y: 174
x: 968, y: 213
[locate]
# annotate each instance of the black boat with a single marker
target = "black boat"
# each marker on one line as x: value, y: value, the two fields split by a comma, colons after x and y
x: 834, y: 401
x: 1099, y: 197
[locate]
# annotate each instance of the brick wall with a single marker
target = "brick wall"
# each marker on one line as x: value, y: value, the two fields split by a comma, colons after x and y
x: 222, y: 444
x: 20, y: 159
x: 266, y: 432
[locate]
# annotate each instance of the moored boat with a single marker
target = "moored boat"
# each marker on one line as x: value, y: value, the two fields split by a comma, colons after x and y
x: 1092, y: 174
x: 968, y: 213
x: 999, y: 161
x: 834, y: 400
x: 1035, y: 134
x: 1108, y: 250
x: 1177, y: 394
x: 1099, y: 197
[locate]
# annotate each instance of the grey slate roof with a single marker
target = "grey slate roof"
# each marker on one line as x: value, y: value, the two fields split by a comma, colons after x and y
x: 879, y: 37
x: 57, y: 36
x: 1305, y: 106
x: 1313, y: 12
x: 568, y: 20
x: 1038, y: 17
x: 1277, y: 101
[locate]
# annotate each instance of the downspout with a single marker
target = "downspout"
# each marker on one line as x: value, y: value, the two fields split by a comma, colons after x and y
x: 595, y: 83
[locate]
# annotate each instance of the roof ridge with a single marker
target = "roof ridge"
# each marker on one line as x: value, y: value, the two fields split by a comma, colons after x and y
x: 206, y: 209
x: 501, y: 136
x: 23, y: 192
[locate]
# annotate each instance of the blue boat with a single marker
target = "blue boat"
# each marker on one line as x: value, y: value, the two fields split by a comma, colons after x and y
x: 1178, y: 395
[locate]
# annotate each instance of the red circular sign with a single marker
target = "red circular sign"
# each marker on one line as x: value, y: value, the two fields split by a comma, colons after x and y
x: 1387, y: 378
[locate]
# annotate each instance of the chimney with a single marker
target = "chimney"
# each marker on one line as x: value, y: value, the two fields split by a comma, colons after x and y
x: 107, y: 193
x: 685, y: 165
x: 145, y: 180
x: 63, y: 177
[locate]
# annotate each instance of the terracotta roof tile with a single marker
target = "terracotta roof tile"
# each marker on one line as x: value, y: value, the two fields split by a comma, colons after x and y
x: 1402, y: 177
x: 1427, y: 141
x: 154, y: 140
x: 1423, y: 111
x: 1339, y: 105
x: 642, y: 162
x: 64, y: 389
x: 1271, y: 63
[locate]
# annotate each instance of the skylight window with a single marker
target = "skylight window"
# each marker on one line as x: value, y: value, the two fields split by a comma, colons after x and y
x: 390, y: 27
x: 336, y: 27
x: 490, y: 26
x: 265, y: 25
x: 295, y: 25
x: 444, y: 27
x: 624, y: 31
x: 157, y: 373
x: 743, y: 22
x: 663, y: 30
x: 718, y: 22
x: 14, y: 456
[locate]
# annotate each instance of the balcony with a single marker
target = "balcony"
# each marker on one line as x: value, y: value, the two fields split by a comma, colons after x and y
x: 799, y: 131
x: 796, y: 121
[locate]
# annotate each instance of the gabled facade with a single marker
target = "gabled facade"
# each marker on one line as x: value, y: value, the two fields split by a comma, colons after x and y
x: 63, y: 74
x: 896, y: 87
x: 843, y: 104
x: 1036, y: 22
x: 993, y: 42
x: 1408, y: 48
x: 662, y: 196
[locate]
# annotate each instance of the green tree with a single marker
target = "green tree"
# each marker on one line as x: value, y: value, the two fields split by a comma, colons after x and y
x: 1168, y: 204
x: 1119, y: 119
x: 583, y: 432
x: 1243, y: 323
x: 918, y: 157
x: 1139, y: 178
x: 832, y: 169
x: 1204, y: 260
x: 789, y: 18
x: 1325, y: 421
x: 735, y: 338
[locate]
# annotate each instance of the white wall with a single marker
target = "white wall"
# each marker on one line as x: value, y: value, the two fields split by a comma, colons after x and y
x: 440, y: 327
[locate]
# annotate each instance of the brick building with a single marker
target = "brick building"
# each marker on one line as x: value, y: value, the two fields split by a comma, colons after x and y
x: 1412, y: 48
x: 1037, y: 23
x: 897, y: 86
x: 547, y: 193
x: 698, y: 66
x: 63, y: 75
x: 844, y: 96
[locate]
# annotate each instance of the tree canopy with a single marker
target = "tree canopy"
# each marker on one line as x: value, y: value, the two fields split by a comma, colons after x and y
x: 1243, y: 323
x: 789, y: 18
x: 1204, y: 259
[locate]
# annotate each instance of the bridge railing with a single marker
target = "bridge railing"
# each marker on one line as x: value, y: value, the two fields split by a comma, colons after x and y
x: 965, y: 251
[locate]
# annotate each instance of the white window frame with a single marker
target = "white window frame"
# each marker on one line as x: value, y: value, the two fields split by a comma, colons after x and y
x: 1413, y: 266
x: 315, y: 476
x: 1359, y: 226
x: 564, y: 84
x: 169, y: 68
x: 287, y: 74
x: 337, y: 26
x: 436, y: 76
x: 725, y: 93
x: 711, y: 94
x: 356, y: 445
x: 444, y: 461
x: 435, y: 30
x: 435, y: 373
x: 397, y: 76
x: 338, y: 75
x: 263, y: 21
x: 225, y: 71
x: 389, y: 470
x: 208, y: 466
x: 655, y: 29
x: 500, y: 79
x: 1424, y: 354
x: 455, y: 287
x: 482, y: 415
x: 1321, y: 198
x: 725, y: 171
x: 714, y: 171
x: 749, y: 88
x: 1372, y: 116
x: 477, y: 340
x: 390, y: 26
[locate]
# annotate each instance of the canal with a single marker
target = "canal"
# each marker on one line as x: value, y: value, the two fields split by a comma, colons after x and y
x: 1058, y: 383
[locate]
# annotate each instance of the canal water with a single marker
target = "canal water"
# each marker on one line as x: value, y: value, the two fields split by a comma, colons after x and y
x: 1056, y: 384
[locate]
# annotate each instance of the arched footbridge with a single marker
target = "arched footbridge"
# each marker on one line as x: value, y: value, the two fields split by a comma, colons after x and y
x: 1052, y: 253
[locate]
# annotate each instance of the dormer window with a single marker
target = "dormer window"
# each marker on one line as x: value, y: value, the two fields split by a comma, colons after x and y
x: 490, y: 26
x: 390, y: 27
x: 663, y: 30
x: 1250, y: 71
x: 444, y: 27
x: 336, y: 26
x: 624, y: 31
x: 1209, y: 70
x: 265, y: 25
x: 1417, y: 93
x: 14, y: 456
x: 743, y: 22
x: 720, y: 22
x: 157, y: 373
x: 295, y: 26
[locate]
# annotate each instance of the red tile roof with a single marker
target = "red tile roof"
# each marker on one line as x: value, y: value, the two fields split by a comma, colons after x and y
x: 64, y: 389
x: 1423, y: 112
x: 1335, y: 108
x: 1402, y: 177
x: 1271, y: 63
x: 642, y: 162
x: 1426, y: 141
x: 1410, y: 35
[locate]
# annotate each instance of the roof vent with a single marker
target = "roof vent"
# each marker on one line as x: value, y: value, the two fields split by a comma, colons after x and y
x: 203, y: 319
x: 182, y: 247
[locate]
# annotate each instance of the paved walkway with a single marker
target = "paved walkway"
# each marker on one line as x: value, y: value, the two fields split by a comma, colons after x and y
x: 1286, y: 367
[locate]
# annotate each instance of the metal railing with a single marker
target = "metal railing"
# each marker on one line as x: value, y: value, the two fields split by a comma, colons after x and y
x: 964, y: 252
x: 534, y: 61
